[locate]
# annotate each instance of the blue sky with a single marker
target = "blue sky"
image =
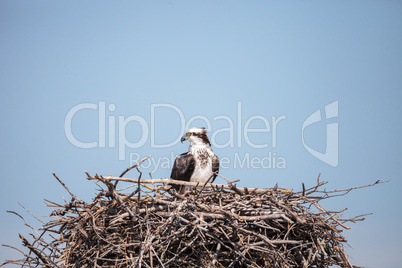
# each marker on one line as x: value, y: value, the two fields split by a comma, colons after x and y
x: 215, y: 62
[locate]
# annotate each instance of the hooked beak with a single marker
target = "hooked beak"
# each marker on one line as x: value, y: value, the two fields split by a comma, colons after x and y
x: 183, y: 138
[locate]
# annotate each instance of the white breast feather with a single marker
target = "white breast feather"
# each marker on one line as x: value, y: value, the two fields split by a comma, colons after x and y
x: 203, y: 165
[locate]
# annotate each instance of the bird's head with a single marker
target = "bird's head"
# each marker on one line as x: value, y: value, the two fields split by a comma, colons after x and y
x: 196, y: 137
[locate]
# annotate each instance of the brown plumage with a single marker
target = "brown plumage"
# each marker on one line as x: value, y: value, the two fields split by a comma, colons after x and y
x: 199, y: 164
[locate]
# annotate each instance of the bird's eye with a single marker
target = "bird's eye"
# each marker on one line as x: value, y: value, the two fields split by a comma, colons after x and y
x: 189, y: 134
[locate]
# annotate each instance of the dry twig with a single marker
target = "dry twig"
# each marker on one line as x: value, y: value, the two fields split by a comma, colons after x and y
x: 219, y: 226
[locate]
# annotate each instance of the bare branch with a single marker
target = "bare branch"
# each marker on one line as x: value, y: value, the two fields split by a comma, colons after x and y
x: 221, y: 225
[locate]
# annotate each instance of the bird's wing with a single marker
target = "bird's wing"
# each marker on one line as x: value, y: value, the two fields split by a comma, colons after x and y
x: 215, y: 166
x: 183, y: 168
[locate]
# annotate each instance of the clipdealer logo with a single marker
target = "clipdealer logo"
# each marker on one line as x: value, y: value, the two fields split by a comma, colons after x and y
x: 330, y: 156
x: 112, y: 134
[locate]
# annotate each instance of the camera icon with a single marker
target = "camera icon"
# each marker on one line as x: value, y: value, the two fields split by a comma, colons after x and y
x: 330, y: 156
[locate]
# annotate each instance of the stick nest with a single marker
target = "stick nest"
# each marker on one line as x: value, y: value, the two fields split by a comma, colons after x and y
x: 149, y: 225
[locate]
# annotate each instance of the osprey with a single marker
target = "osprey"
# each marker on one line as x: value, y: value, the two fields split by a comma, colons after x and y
x: 199, y: 164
